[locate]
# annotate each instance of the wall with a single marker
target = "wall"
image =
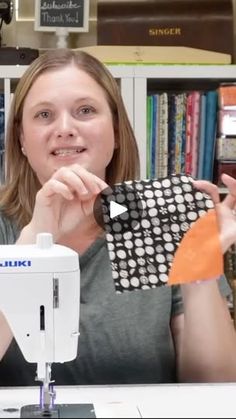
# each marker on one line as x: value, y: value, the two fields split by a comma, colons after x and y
x: 21, y: 32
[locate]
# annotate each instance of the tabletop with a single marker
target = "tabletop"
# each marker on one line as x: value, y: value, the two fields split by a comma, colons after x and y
x: 164, y: 400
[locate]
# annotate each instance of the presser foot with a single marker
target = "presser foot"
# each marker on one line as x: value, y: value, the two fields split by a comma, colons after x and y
x: 47, y: 396
x: 47, y: 393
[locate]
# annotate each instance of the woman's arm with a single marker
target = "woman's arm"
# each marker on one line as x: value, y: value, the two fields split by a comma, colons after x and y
x: 64, y: 203
x: 6, y: 335
x: 205, y: 339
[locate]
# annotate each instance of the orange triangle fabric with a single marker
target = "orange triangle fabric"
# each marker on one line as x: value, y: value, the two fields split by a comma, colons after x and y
x: 199, y: 255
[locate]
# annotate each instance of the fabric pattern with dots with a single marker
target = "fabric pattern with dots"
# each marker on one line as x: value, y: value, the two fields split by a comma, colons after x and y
x: 143, y: 240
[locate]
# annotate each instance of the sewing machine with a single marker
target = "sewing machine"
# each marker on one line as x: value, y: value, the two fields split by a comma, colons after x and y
x: 39, y: 296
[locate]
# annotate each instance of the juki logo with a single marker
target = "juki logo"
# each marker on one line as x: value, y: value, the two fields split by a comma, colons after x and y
x: 15, y: 263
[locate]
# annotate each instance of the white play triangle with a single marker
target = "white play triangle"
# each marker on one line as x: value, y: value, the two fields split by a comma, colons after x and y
x: 116, y: 209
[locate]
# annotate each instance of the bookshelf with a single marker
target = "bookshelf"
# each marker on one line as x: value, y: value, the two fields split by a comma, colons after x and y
x: 153, y: 77
x: 8, y: 77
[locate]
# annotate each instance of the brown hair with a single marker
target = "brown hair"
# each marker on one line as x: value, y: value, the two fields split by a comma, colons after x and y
x: 21, y: 184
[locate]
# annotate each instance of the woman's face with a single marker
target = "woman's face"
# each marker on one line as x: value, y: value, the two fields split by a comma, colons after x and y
x: 67, y: 120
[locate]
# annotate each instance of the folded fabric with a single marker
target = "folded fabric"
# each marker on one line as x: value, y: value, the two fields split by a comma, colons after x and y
x: 167, y: 234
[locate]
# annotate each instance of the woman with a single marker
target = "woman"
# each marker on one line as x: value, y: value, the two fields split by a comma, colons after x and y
x: 68, y: 138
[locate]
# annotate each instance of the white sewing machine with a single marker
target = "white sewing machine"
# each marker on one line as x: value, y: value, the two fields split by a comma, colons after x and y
x: 39, y: 296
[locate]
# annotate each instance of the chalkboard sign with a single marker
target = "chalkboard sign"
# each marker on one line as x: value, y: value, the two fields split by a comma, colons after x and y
x: 53, y: 14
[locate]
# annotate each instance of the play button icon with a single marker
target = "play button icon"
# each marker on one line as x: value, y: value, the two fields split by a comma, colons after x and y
x: 116, y: 209
x: 120, y: 208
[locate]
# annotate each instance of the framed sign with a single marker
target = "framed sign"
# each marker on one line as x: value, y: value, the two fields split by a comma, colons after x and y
x: 70, y: 14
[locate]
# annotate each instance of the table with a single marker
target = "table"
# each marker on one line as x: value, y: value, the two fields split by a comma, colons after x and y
x: 154, y: 401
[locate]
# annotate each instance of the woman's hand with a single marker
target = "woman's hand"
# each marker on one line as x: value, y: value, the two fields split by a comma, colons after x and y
x: 225, y: 209
x: 65, y: 201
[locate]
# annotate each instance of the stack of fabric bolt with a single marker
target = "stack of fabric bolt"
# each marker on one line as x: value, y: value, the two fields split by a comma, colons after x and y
x: 226, y: 140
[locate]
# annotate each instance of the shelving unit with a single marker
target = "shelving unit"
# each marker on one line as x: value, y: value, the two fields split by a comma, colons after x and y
x: 183, y: 76
x: 8, y: 75
x: 125, y: 75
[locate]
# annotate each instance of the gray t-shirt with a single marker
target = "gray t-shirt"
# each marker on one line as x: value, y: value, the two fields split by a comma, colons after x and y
x: 124, y: 338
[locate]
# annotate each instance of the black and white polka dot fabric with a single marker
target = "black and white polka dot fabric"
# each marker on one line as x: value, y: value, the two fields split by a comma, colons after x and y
x: 142, y: 241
